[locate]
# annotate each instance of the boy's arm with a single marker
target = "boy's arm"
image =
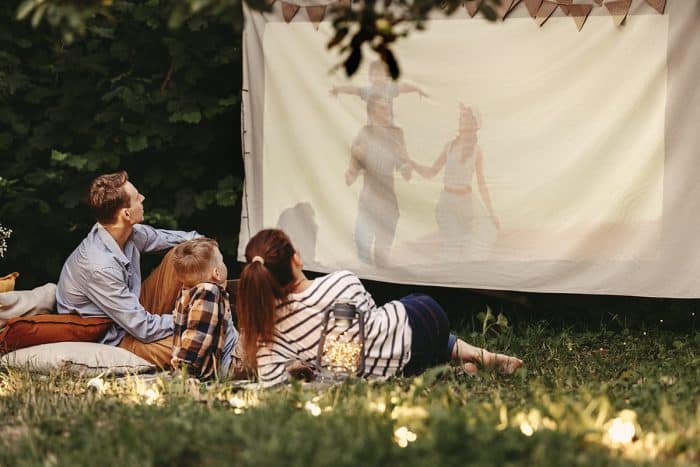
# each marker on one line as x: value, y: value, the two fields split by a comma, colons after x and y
x: 352, y: 90
x: 197, y: 337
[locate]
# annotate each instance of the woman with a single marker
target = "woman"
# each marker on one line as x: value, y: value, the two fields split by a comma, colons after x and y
x: 457, y: 209
x: 280, y: 312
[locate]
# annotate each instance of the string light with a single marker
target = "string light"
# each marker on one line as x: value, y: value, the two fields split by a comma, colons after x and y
x: 312, y: 408
x: 621, y: 431
x: 403, y: 436
x: 341, y: 356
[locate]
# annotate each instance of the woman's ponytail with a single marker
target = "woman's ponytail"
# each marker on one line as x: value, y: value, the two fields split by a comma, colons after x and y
x: 263, y: 286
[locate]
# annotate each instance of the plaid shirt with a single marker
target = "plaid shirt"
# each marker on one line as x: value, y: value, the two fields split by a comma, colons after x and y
x: 200, y: 318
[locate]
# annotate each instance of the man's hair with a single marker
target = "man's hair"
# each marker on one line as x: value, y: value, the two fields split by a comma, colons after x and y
x: 193, y: 258
x: 107, y: 196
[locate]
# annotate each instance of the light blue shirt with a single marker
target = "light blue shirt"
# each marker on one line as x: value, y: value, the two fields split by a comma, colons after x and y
x: 99, y: 279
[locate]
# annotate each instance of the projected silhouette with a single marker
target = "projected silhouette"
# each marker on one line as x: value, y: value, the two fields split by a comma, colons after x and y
x: 300, y: 224
x: 377, y: 152
x: 457, y: 210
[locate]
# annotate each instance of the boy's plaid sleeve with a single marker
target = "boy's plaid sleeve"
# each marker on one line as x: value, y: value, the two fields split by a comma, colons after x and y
x: 196, y: 329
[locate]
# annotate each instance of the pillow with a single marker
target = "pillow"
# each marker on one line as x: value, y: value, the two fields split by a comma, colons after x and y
x: 26, y: 331
x: 7, y: 282
x: 40, y: 300
x: 78, y: 358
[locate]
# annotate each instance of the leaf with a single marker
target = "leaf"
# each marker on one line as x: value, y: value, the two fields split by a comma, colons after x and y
x: 338, y: 38
x: 25, y: 8
x: 228, y: 101
x: 390, y: 60
x: 187, y: 117
x: 192, y: 117
x: 136, y: 143
x: 353, y: 61
x: 58, y: 156
x: 488, y: 12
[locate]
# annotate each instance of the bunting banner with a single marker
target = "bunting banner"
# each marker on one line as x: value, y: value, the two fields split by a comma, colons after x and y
x: 553, y: 150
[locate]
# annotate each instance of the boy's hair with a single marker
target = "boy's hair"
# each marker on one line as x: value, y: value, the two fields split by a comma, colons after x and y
x: 107, y: 196
x: 193, y: 258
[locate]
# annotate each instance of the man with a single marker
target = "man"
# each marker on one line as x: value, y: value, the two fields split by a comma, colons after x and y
x: 102, y: 277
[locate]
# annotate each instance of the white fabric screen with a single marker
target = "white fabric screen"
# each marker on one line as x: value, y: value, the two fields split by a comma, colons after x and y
x: 582, y: 143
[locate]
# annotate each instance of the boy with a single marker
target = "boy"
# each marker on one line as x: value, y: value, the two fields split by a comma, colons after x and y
x: 204, y: 336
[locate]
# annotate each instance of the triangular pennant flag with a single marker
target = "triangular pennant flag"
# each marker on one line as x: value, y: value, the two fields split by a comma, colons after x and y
x: 533, y: 6
x: 618, y: 10
x: 472, y: 6
x: 512, y: 7
x: 580, y: 14
x: 503, y: 8
x: 289, y: 10
x: 545, y: 11
x: 658, y: 5
x: 316, y: 13
x: 564, y: 5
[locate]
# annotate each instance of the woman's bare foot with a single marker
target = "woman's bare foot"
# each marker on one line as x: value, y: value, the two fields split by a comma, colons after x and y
x: 507, y: 365
x: 470, y: 368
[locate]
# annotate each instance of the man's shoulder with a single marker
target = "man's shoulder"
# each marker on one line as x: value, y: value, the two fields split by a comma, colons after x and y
x: 91, y: 256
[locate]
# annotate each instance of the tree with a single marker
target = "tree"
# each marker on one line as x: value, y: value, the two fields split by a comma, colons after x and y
x: 375, y: 23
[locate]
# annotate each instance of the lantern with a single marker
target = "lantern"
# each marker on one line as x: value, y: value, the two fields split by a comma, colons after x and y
x: 339, y: 355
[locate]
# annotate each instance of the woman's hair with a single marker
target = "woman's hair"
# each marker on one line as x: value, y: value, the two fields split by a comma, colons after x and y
x: 107, y: 196
x: 265, y: 281
x: 194, y: 259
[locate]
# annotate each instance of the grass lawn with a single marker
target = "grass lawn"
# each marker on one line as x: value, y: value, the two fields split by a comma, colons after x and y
x: 584, y: 398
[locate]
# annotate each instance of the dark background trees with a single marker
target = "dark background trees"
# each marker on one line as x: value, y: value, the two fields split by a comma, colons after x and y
x: 129, y: 92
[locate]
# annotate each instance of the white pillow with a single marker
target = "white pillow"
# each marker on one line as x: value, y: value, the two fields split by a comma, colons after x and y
x: 37, y: 301
x: 78, y: 358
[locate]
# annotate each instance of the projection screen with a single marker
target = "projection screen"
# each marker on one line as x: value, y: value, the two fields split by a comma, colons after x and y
x: 507, y: 156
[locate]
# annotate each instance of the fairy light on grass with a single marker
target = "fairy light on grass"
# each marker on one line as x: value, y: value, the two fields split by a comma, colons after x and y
x: 312, y: 408
x: 526, y: 428
x: 621, y: 431
x: 377, y: 406
x: 151, y: 396
x: 96, y: 384
x: 403, y: 436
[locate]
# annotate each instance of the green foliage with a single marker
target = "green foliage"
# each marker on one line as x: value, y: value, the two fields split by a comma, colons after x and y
x: 89, y: 88
x: 557, y: 411
x: 375, y: 24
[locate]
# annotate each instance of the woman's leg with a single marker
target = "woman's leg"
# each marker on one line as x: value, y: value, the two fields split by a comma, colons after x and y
x: 470, y: 354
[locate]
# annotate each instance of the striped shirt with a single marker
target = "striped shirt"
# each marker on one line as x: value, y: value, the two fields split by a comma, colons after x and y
x: 299, y: 323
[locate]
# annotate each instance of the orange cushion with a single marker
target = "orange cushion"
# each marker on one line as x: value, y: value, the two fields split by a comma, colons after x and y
x: 25, y: 331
